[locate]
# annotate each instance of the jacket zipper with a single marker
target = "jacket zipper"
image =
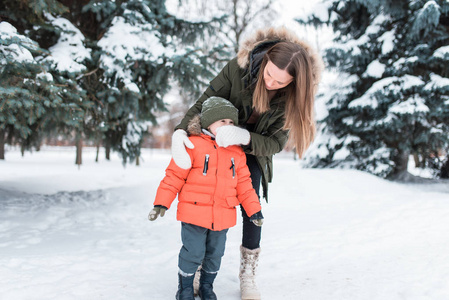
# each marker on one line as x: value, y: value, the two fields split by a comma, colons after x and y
x: 232, y: 167
x: 206, y: 164
x: 215, y: 189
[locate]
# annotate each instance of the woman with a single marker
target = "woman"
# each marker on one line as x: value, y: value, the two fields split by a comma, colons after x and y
x: 272, y: 82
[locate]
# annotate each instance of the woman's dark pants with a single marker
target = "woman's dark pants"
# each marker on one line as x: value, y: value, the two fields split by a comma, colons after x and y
x: 252, y: 233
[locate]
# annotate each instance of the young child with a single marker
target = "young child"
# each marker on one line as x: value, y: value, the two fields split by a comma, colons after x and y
x: 217, y: 182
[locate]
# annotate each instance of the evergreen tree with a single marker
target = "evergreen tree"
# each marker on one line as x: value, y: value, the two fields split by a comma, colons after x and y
x: 30, y: 97
x: 102, y: 66
x: 39, y: 92
x: 392, y: 96
x: 140, y: 49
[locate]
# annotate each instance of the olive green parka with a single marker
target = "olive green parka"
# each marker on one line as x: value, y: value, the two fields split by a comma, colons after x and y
x: 234, y: 83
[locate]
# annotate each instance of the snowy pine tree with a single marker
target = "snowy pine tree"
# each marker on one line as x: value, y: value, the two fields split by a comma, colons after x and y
x: 139, y: 50
x: 392, y: 96
x: 38, y: 79
x: 107, y: 66
x: 33, y: 98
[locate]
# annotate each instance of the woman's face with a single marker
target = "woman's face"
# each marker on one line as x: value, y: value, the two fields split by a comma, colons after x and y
x: 275, y: 78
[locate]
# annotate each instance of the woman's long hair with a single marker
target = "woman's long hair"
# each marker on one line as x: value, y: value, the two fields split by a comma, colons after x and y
x: 299, y: 106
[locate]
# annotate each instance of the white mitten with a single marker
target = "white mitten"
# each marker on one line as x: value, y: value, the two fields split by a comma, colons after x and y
x: 179, y: 142
x: 231, y: 135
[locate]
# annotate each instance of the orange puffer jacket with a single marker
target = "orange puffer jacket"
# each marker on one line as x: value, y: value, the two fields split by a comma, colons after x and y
x: 209, y: 192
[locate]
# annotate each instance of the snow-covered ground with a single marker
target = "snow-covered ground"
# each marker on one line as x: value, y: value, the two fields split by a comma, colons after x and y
x: 69, y: 233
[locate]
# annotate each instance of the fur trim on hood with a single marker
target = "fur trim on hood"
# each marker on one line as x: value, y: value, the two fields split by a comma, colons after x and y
x: 194, y: 126
x: 280, y: 34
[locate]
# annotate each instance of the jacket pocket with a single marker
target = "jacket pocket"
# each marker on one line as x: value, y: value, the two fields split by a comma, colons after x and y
x: 216, y: 84
x: 232, y: 201
x: 195, y: 198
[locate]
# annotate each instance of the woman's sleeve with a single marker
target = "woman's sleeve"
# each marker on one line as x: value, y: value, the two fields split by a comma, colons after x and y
x: 245, y: 192
x: 270, y: 142
x: 220, y: 86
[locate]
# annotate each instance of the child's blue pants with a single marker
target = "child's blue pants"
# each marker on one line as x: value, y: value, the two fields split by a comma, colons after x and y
x: 201, y: 246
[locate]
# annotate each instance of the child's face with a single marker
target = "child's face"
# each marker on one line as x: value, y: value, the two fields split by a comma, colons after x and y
x: 213, y: 127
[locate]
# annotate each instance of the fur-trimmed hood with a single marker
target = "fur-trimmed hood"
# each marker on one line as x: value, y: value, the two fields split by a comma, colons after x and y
x: 278, y: 34
x: 194, y: 127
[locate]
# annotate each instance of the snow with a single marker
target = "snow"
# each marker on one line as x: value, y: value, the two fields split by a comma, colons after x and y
x: 69, y: 233
x: 436, y: 82
x: 346, y: 81
x: 341, y: 154
x: 382, y: 166
x: 317, y: 8
x: 69, y: 53
x: 412, y: 105
x: 375, y: 69
x: 403, y: 61
x: 354, y: 45
x: 205, y: 10
x: 45, y: 76
x: 18, y: 52
x: 385, y: 86
x: 133, y: 133
x: 348, y: 120
x: 124, y: 43
x: 410, y: 81
x: 387, y: 40
x: 376, y: 25
x: 7, y: 30
x: 127, y: 40
x: 442, y: 52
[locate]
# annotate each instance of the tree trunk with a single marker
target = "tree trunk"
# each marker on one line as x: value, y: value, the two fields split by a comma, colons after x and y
x: 400, y: 166
x: 2, y: 144
x: 417, y: 162
x: 138, y: 160
x: 98, y: 152
x: 444, y: 172
x: 107, y: 149
x: 79, y: 149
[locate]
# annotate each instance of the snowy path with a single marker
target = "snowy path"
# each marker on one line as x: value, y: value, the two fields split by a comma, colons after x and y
x: 329, y: 234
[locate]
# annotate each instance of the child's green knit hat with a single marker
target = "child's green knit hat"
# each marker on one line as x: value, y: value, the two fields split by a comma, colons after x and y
x: 217, y: 108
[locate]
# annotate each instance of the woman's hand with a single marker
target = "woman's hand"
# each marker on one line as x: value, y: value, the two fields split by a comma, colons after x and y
x: 231, y: 135
x: 179, y: 142
x: 257, y: 218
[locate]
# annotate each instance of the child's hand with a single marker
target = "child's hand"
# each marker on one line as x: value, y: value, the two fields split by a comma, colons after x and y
x: 156, y: 211
x: 257, y: 218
